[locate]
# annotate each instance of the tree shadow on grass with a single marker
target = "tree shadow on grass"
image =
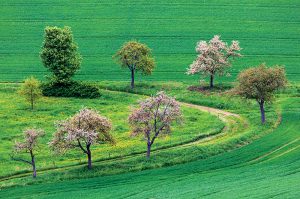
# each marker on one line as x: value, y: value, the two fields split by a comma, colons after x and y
x: 217, y: 89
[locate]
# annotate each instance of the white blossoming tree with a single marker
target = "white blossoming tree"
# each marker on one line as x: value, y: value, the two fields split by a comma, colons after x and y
x: 154, y: 117
x: 29, y: 145
x: 214, y: 58
x: 84, y: 129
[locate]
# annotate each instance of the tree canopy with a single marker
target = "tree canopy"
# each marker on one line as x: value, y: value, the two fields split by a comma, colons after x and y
x: 31, y: 90
x: 214, y: 58
x: 85, y: 128
x: 260, y: 83
x: 29, y: 145
x: 136, y: 57
x: 60, y: 53
x: 154, y: 117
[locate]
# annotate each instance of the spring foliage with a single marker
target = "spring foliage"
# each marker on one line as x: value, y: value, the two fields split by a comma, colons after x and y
x: 260, y: 83
x: 60, y: 53
x: 214, y: 57
x: 31, y: 90
x: 154, y: 117
x: 136, y: 57
x: 85, y: 128
x: 29, y: 145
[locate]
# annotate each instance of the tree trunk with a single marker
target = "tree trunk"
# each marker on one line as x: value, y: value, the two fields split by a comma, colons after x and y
x: 132, y: 79
x: 33, y: 165
x: 262, y: 112
x: 211, y: 85
x: 89, y: 154
x: 31, y: 99
x: 148, y: 150
x: 31, y: 104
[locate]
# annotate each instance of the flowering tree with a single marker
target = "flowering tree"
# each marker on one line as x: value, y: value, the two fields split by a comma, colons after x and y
x: 214, y: 58
x: 29, y: 145
x: 154, y: 117
x: 260, y: 83
x: 136, y: 57
x: 31, y: 90
x: 81, y: 131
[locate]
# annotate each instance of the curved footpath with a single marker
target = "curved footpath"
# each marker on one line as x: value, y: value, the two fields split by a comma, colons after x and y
x: 221, y: 114
x: 269, y: 167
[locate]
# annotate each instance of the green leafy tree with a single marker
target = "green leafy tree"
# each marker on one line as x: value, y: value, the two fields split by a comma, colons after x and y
x: 60, y: 53
x: 260, y: 83
x: 136, y: 57
x: 31, y: 91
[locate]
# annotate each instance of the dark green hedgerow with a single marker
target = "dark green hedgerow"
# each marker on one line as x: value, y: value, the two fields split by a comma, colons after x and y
x: 70, y: 89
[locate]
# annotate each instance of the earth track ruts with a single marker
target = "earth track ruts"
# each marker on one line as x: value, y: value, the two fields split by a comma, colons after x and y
x: 221, y: 114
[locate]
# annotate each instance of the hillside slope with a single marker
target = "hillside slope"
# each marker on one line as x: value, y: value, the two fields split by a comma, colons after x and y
x: 268, y: 167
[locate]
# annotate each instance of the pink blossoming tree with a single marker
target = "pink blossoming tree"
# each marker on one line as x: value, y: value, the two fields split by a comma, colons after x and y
x: 83, y: 130
x: 29, y: 145
x: 214, y: 58
x: 154, y: 117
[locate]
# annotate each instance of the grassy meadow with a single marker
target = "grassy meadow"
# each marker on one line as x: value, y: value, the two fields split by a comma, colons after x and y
x: 268, y: 31
x: 15, y: 116
x: 201, y: 136
x: 270, y: 156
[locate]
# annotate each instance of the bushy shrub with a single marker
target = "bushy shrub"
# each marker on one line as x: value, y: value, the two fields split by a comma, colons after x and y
x: 70, y: 89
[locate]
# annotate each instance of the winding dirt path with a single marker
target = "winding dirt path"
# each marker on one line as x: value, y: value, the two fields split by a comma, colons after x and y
x: 221, y: 114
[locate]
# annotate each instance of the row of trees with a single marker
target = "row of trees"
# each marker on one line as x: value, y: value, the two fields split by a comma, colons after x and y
x: 152, y: 118
x: 155, y: 115
x: 60, y: 55
x: 214, y: 58
x: 259, y: 83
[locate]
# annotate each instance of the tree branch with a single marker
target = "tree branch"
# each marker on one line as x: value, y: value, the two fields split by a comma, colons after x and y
x: 156, y: 134
x: 81, y: 147
x: 20, y: 160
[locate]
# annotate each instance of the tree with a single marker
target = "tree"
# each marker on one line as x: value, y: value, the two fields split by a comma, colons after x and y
x: 29, y: 145
x: 154, y: 117
x: 136, y: 57
x: 214, y: 58
x: 31, y: 90
x: 60, y: 53
x: 260, y: 83
x: 81, y: 131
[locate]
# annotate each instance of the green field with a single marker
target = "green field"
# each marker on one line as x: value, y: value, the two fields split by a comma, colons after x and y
x: 220, y: 151
x: 268, y: 31
x: 255, y: 168
x: 18, y: 117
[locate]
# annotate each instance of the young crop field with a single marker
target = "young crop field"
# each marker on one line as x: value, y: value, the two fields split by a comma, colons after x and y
x: 268, y: 31
x: 109, y: 126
